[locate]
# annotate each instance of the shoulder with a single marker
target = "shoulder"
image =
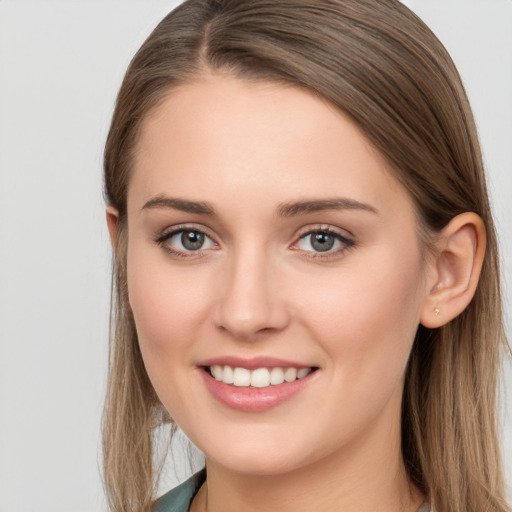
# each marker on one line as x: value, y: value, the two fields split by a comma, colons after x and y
x: 179, y: 498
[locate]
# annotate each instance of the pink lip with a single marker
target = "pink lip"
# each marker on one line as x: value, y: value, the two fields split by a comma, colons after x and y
x: 252, y: 363
x: 254, y: 399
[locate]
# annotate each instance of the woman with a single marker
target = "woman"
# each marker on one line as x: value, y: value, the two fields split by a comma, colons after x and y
x: 306, y: 268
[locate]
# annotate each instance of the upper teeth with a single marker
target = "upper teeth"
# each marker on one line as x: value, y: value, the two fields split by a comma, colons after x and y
x: 258, y: 378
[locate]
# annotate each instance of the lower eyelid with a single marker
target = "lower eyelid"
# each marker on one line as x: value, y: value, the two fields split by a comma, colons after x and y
x: 164, y: 237
x: 346, y: 244
x: 164, y: 241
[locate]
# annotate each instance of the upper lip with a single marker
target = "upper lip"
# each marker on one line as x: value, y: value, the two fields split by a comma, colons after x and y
x: 253, y: 363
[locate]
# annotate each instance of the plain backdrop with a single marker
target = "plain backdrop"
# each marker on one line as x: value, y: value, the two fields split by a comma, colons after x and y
x: 61, y: 63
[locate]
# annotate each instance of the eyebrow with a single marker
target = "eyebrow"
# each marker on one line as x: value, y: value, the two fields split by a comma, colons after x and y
x: 316, y: 205
x: 284, y: 210
x: 179, y: 204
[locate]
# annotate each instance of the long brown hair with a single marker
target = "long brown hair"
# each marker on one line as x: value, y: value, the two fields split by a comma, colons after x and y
x: 379, y: 64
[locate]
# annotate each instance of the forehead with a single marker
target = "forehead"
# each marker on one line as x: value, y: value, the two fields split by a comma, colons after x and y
x: 228, y: 139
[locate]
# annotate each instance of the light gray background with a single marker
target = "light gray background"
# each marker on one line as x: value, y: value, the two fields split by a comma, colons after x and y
x: 61, y: 63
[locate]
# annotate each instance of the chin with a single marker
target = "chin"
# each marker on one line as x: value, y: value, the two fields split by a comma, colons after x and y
x: 264, y: 455
x: 256, y: 464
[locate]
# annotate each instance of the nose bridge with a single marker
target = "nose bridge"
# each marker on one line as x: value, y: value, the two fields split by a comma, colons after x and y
x: 249, y: 303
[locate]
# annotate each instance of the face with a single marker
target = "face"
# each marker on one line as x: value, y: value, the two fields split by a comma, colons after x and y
x: 274, y: 273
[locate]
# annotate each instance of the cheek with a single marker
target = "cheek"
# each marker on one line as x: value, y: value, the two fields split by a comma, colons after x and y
x: 367, y: 315
x: 168, y: 306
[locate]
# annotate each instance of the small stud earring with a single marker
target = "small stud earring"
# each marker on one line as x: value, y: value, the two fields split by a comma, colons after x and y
x: 437, y: 311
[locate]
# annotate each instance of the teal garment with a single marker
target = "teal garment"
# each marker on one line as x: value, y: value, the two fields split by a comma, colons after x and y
x: 179, y: 498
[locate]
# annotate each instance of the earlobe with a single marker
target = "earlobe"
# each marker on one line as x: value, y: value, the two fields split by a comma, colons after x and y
x: 112, y: 224
x: 457, y: 267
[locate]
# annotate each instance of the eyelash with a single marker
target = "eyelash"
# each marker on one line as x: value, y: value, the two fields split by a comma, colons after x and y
x: 166, y: 235
x: 347, y: 243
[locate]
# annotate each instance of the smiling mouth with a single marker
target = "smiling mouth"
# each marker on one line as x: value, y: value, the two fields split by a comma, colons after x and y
x: 258, y: 377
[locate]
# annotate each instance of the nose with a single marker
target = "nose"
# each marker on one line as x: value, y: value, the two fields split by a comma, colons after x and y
x: 250, y: 302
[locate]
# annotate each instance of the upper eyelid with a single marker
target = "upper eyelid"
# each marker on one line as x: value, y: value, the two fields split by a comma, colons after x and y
x: 172, y: 230
x: 162, y: 239
x: 328, y: 228
x: 343, y: 235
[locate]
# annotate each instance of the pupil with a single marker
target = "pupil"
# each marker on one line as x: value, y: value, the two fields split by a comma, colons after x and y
x: 192, y: 240
x: 322, y: 242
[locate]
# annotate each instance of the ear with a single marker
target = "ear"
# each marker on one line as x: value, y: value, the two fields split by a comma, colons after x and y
x: 455, y: 271
x: 112, y: 224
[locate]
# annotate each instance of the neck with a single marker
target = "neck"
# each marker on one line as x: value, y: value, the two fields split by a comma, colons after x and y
x: 368, y: 475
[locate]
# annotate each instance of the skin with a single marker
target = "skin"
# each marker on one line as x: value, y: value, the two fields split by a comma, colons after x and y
x: 259, y: 288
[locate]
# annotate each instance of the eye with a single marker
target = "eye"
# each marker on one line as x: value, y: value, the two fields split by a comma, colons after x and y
x: 185, y: 241
x: 323, y: 241
x: 188, y: 240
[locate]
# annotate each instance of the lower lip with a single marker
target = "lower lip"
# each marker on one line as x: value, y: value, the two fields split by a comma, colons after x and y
x: 254, y: 399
